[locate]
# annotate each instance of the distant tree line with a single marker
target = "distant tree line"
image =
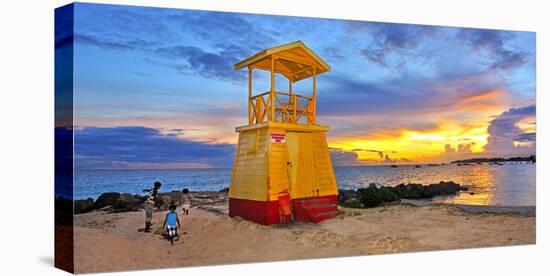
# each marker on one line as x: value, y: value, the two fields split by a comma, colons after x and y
x: 531, y: 159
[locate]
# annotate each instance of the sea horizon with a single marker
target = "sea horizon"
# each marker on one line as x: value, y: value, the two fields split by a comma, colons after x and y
x: 454, y: 162
x: 512, y: 184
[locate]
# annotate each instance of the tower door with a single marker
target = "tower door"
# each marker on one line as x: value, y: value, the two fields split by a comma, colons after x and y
x: 301, y: 165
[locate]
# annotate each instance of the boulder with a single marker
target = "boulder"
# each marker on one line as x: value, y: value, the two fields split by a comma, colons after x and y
x: 428, y: 191
x: 447, y: 188
x: 415, y: 190
x: 127, y: 202
x: 344, y: 195
x: 418, y: 191
x: 163, y: 201
x: 410, y: 190
x: 105, y: 199
x: 373, y: 196
x: 225, y: 190
x: 83, y: 205
x: 352, y: 202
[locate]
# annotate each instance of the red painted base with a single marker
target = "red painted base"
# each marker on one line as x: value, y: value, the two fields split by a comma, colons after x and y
x: 267, y: 212
x: 262, y: 212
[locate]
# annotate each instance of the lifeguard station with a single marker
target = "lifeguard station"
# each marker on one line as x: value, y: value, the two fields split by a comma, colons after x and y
x: 283, y: 151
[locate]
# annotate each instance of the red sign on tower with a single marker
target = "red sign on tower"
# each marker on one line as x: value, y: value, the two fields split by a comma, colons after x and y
x: 278, y: 138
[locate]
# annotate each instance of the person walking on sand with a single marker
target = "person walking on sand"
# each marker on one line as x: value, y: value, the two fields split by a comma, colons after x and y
x: 186, y: 201
x: 171, y: 224
x: 150, y: 204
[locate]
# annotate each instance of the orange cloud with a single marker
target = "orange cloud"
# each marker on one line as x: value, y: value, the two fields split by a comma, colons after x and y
x: 416, y: 146
x: 484, y: 96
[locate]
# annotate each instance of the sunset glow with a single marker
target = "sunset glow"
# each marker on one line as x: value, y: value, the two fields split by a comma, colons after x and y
x: 162, y: 81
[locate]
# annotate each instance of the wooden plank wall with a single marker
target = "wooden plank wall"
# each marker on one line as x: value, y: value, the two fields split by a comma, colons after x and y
x: 258, y: 158
x: 250, y: 170
x: 326, y: 180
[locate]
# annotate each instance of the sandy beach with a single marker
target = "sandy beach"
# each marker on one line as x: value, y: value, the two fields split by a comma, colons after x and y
x: 106, y: 241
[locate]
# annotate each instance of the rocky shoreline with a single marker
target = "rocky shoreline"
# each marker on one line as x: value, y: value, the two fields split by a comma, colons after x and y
x: 372, y: 196
x: 125, y: 202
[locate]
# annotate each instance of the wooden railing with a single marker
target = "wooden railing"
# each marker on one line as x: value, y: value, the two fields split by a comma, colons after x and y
x: 288, y: 108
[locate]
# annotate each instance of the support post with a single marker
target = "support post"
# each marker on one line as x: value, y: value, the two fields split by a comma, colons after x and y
x: 314, y: 94
x: 272, y: 92
x: 250, y: 105
x: 292, y: 100
x: 290, y: 86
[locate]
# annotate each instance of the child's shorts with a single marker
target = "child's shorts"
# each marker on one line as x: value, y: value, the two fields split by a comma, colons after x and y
x: 171, y: 230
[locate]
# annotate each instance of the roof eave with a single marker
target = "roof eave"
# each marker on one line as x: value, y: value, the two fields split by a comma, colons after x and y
x: 265, y: 53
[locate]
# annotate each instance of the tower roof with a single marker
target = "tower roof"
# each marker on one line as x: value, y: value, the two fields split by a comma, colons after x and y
x: 293, y: 60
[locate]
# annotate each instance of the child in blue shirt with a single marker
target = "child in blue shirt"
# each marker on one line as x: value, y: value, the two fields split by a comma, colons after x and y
x: 170, y: 223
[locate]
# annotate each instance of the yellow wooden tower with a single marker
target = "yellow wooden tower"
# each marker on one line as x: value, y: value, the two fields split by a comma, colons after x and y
x: 283, y: 148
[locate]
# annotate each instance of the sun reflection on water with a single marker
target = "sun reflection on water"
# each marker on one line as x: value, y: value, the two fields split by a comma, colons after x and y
x: 509, y: 184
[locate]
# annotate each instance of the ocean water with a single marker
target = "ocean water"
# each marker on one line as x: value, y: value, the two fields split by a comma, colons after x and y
x: 506, y: 185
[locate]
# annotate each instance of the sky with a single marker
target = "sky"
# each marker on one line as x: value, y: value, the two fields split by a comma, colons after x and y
x: 155, y: 88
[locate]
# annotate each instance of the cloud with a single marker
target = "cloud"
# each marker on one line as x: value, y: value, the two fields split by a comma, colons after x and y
x: 342, y: 157
x: 203, y: 49
x: 112, y: 44
x: 217, y: 27
x: 401, y: 39
x: 495, y: 43
x: 381, y: 154
x: 62, y: 40
x: 209, y: 65
x: 526, y: 137
x: 459, y: 152
x: 506, y: 138
x: 411, y: 94
x: 460, y: 149
x: 131, y: 146
x: 358, y: 98
x: 64, y: 26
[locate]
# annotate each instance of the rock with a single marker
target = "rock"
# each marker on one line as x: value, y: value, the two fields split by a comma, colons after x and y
x: 418, y: 191
x: 165, y: 200
x: 428, y: 191
x: 344, y: 195
x: 410, y: 190
x: 127, y: 202
x: 352, y: 202
x: 415, y: 190
x: 373, y: 196
x: 225, y: 190
x: 448, y: 188
x: 105, y: 199
x: 83, y: 205
x: 107, y: 208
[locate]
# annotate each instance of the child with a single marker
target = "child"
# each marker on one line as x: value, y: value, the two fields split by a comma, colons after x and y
x: 150, y: 204
x: 170, y: 223
x: 186, y: 201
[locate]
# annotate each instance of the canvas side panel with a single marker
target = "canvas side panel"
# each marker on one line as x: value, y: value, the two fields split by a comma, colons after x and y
x: 249, y: 179
x: 326, y: 180
x: 64, y: 49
